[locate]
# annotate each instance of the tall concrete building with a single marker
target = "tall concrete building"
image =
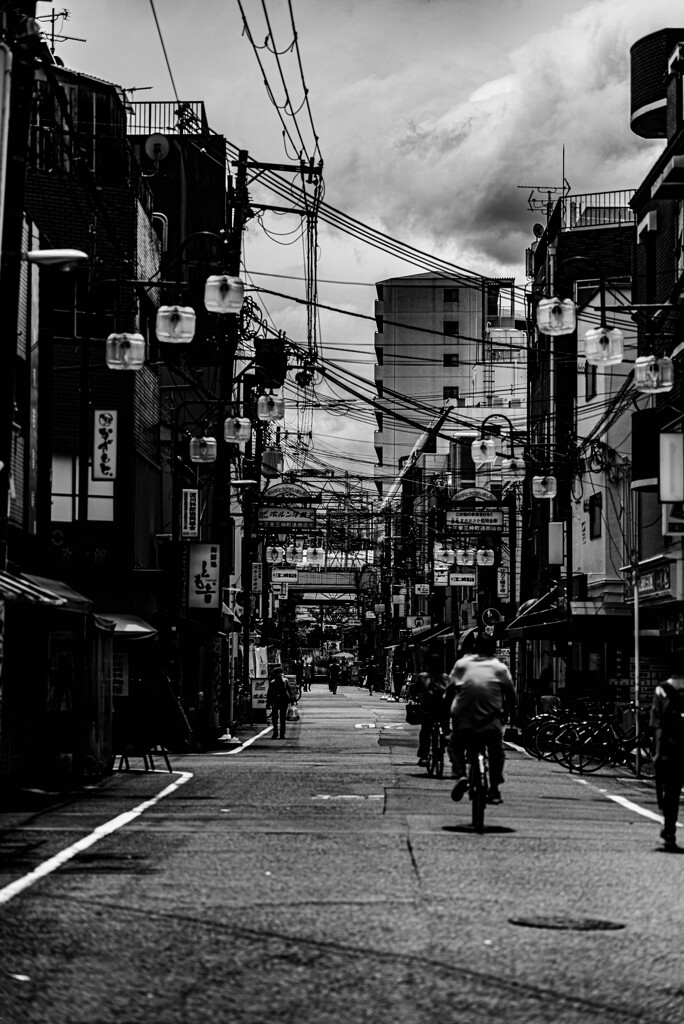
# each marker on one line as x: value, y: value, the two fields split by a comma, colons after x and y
x: 442, y: 340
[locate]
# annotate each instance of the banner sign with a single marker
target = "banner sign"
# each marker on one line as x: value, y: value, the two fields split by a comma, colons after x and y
x: 257, y: 577
x: 490, y: 520
x: 502, y: 587
x: 284, y: 575
x: 203, y: 576
x: 475, y: 494
x: 104, y: 444
x: 190, y: 512
x: 289, y: 516
x: 461, y: 579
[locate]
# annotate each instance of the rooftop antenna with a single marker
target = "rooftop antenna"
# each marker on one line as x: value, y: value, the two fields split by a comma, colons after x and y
x: 58, y: 36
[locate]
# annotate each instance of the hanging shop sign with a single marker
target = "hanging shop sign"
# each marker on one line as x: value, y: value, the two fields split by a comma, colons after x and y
x: 502, y: 584
x: 203, y: 576
x: 440, y: 576
x: 461, y: 579
x: 190, y: 512
x: 279, y: 589
x: 673, y: 519
x: 422, y: 588
x: 475, y: 494
x: 104, y: 444
x: 257, y: 577
x: 418, y: 621
x: 370, y: 615
x: 657, y: 583
x: 490, y: 520
x: 288, y: 516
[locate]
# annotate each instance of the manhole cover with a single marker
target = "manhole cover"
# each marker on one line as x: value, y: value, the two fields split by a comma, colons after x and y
x: 575, y: 924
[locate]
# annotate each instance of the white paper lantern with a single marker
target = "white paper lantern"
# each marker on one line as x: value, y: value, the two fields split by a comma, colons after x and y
x: 556, y: 316
x: 544, y: 486
x: 175, y: 324
x: 224, y: 294
x: 653, y: 376
x: 203, y: 449
x: 237, y: 429
x: 483, y: 449
x: 125, y: 351
x: 604, y: 346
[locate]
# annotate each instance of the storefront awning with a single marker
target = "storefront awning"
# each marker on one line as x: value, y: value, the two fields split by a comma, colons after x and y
x: 40, y: 590
x: 549, y: 617
x: 129, y: 627
x: 428, y: 634
x: 466, y: 640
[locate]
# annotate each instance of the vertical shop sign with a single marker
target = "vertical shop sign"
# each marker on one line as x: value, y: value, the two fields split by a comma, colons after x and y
x: 189, y: 515
x: 104, y: 444
x: 203, y: 576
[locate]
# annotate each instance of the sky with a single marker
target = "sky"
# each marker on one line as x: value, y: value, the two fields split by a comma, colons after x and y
x: 435, y: 119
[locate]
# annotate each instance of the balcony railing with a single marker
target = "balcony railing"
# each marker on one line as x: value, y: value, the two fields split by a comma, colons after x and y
x: 168, y: 118
x: 598, y: 209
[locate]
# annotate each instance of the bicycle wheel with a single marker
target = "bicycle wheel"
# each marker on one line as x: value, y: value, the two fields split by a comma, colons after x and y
x: 477, y: 786
x: 438, y: 743
x: 581, y: 747
x: 544, y: 739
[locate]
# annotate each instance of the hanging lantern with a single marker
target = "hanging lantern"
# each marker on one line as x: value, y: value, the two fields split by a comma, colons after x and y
x: 175, y: 324
x: 513, y: 469
x: 603, y: 345
x: 203, y: 449
x: 465, y: 556
x: 270, y: 407
x: 125, y: 351
x: 556, y: 316
x: 483, y: 449
x: 544, y: 486
x: 315, y: 556
x: 294, y: 554
x: 237, y: 429
x: 223, y: 294
x: 485, y: 556
x: 274, y: 554
x: 653, y: 376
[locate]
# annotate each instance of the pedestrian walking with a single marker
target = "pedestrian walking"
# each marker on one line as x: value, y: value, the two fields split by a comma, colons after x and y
x: 371, y: 676
x: 299, y: 673
x: 308, y: 675
x: 278, y: 697
x: 333, y: 676
x: 667, y: 719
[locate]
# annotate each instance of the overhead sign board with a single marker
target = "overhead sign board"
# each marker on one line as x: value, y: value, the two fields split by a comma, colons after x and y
x: 284, y: 575
x: 475, y: 494
x: 289, y: 516
x: 290, y: 492
x: 462, y: 579
x: 491, y: 520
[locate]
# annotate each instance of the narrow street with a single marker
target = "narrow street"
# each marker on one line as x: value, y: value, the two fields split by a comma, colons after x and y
x: 326, y: 877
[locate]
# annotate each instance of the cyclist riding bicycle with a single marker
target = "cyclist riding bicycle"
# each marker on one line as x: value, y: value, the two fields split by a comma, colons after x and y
x: 429, y: 691
x: 484, y: 692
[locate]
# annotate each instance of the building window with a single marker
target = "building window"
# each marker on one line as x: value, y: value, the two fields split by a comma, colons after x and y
x: 590, y: 381
x: 595, y: 516
x: 65, y: 493
x: 450, y: 392
x: 450, y: 359
x: 452, y: 295
x: 379, y: 355
x: 450, y: 328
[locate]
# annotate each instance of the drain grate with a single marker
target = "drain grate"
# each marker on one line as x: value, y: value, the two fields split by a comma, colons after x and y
x: 564, y: 923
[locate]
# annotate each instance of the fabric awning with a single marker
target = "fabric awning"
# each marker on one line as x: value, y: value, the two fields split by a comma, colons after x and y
x: 466, y: 639
x: 129, y: 627
x: 549, y: 617
x: 419, y: 637
x: 40, y: 590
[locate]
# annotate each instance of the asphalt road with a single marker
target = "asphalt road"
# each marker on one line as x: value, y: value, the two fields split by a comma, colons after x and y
x: 326, y: 878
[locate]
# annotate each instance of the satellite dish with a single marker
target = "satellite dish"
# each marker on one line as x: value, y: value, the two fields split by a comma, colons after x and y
x: 538, y: 228
x: 157, y: 147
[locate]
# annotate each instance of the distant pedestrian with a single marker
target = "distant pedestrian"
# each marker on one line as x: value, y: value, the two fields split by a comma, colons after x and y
x: 667, y: 719
x: 333, y: 676
x: 345, y: 675
x: 371, y: 676
x: 299, y: 673
x: 308, y: 675
x: 278, y: 697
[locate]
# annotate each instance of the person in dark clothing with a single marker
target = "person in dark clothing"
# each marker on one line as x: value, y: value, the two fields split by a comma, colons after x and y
x: 371, y: 676
x: 429, y: 691
x: 667, y: 719
x: 299, y: 674
x: 278, y: 697
x: 333, y: 676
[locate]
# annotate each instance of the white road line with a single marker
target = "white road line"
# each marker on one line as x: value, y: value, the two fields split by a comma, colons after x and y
x: 47, y: 867
x: 624, y: 802
x: 247, y: 743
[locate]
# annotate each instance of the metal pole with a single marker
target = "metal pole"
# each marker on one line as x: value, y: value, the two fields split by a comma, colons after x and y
x: 635, y: 591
